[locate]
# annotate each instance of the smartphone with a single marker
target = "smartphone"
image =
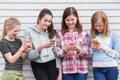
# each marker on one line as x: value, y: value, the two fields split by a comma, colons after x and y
x: 52, y: 41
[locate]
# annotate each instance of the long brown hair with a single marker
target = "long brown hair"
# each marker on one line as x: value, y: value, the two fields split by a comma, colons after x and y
x: 67, y: 12
x: 50, y: 29
x: 9, y: 24
x: 99, y: 15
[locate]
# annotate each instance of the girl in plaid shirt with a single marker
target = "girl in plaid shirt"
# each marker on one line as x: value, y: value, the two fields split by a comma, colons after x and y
x: 72, y: 47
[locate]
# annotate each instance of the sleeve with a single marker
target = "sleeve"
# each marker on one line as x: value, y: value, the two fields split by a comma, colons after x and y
x: 19, y: 41
x: 59, y: 50
x: 33, y: 54
x: 4, y: 48
x: 115, y: 50
x: 27, y: 34
x: 58, y: 60
x: 85, y: 46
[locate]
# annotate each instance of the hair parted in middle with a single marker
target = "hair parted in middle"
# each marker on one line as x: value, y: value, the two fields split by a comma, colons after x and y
x: 67, y: 12
x: 50, y: 29
x: 99, y: 15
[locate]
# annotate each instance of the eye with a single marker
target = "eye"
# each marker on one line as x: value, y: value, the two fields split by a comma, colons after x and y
x: 45, y: 20
x: 72, y: 19
x: 101, y: 26
x: 67, y: 20
x: 49, y: 21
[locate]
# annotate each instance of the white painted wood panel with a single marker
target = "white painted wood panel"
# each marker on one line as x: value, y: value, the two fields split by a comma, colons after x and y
x: 27, y: 11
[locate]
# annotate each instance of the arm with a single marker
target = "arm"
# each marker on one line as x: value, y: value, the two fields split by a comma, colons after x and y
x: 85, y: 47
x: 33, y: 53
x: 11, y: 54
x: 59, y: 48
x: 27, y: 48
x: 13, y: 58
x: 111, y: 52
x: 59, y: 75
x: 114, y: 49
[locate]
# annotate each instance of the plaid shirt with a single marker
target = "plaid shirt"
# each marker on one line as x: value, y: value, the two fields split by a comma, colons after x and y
x: 73, y: 62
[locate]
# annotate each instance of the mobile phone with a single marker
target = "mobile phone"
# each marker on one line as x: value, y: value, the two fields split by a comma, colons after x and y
x: 52, y: 41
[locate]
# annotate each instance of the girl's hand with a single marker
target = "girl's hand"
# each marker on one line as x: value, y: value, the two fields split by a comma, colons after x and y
x: 93, y: 46
x: 52, y: 41
x: 100, y: 47
x: 75, y: 47
x: 46, y: 45
x: 60, y: 75
x: 28, y: 44
x: 67, y: 47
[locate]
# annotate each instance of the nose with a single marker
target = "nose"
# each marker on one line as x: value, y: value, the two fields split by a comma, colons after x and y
x: 48, y: 23
x: 17, y: 33
x: 70, y: 21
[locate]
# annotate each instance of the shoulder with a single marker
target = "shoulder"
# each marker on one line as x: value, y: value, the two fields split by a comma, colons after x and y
x: 2, y: 41
x: 84, y: 33
x: 31, y: 28
x: 58, y: 32
x: 113, y: 35
x: 18, y: 40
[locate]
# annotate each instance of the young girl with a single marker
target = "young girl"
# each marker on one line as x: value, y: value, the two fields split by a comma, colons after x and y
x: 107, y: 49
x: 14, y: 52
x: 72, y: 46
x: 43, y: 40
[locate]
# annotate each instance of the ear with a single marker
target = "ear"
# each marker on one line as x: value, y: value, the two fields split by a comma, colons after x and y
x: 38, y: 20
x: 6, y: 28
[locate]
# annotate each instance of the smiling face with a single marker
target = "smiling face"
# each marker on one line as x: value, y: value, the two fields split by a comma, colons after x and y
x: 12, y: 33
x: 45, y: 22
x: 71, y: 21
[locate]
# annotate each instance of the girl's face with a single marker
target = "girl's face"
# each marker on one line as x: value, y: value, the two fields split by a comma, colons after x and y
x: 71, y: 21
x: 45, y: 22
x: 12, y: 33
x: 99, y: 26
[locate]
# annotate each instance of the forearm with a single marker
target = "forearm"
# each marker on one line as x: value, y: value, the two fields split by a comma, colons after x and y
x: 111, y: 52
x: 24, y: 55
x: 33, y: 54
x: 60, y: 75
x: 13, y: 58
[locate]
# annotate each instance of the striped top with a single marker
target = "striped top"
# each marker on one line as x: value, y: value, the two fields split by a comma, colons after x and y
x: 12, y: 47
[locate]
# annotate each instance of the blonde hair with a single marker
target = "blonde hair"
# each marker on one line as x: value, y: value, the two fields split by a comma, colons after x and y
x: 99, y: 15
x: 9, y: 24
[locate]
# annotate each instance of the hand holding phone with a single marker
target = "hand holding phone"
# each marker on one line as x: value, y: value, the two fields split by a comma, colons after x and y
x: 52, y: 41
x: 95, y: 41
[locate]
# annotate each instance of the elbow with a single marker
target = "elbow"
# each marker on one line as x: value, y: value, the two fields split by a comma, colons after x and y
x: 32, y: 57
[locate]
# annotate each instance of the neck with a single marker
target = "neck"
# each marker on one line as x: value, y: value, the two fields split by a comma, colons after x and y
x: 71, y: 29
x: 39, y: 28
x: 9, y: 38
